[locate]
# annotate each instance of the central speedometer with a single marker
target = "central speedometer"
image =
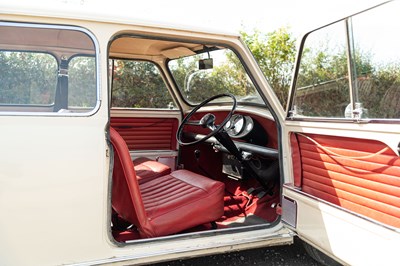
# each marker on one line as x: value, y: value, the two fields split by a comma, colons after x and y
x: 239, y: 126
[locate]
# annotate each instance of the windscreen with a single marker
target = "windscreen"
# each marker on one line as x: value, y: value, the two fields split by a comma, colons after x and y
x: 213, y: 71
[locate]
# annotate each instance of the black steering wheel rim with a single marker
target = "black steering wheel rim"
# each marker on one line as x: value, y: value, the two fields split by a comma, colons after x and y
x: 213, y: 132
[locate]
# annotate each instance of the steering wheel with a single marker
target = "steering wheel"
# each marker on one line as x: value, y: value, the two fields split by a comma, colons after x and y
x: 207, y: 121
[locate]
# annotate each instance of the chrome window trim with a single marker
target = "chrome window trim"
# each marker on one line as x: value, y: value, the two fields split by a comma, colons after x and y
x: 296, y: 68
x: 344, y: 120
x: 97, y: 56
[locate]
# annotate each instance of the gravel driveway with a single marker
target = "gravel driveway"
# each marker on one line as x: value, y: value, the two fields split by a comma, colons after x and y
x: 283, y: 255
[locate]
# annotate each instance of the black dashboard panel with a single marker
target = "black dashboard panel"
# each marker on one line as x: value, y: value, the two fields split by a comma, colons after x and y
x: 246, y: 128
x: 264, y: 151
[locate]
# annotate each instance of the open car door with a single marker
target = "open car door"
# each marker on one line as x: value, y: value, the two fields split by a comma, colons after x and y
x: 343, y: 134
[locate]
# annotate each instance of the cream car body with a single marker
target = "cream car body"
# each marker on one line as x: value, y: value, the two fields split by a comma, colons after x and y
x: 55, y: 166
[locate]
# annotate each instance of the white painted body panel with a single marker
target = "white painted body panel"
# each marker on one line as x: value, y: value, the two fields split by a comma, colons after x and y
x: 350, y: 238
x: 55, y: 181
x: 54, y: 178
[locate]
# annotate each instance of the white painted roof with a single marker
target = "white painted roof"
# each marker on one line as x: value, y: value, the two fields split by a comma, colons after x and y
x: 113, y: 11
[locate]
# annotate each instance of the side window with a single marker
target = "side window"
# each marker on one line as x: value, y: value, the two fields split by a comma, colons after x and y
x: 82, y: 82
x: 139, y: 84
x: 322, y: 88
x: 351, y: 69
x: 46, y: 69
x: 377, y: 69
x: 27, y: 78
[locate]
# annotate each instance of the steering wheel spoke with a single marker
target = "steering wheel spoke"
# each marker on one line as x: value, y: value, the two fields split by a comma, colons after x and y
x: 207, y: 121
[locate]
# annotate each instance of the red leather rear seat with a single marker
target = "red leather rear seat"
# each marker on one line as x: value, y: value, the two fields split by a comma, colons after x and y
x: 147, y: 169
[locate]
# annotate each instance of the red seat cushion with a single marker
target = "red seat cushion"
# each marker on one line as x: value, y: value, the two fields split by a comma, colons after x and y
x: 181, y: 200
x: 167, y: 204
x: 147, y: 169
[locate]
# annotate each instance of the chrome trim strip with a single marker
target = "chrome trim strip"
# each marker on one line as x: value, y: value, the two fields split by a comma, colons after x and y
x: 279, y: 237
x: 220, y: 231
x: 153, y: 154
x: 346, y: 120
x: 97, y: 50
x: 298, y: 190
x: 351, y: 64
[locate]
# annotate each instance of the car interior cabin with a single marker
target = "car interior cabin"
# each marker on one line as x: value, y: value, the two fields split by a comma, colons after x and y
x: 173, y: 172
x: 217, y: 170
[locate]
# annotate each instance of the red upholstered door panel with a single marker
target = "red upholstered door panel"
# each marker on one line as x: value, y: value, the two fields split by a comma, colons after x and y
x: 147, y: 133
x: 359, y: 175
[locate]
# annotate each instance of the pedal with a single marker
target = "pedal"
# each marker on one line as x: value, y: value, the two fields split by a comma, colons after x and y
x: 261, y: 194
x: 250, y: 191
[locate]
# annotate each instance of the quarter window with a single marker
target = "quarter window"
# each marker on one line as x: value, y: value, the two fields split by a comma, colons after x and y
x: 46, y: 69
x: 139, y: 84
x: 82, y: 82
x: 27, y: 78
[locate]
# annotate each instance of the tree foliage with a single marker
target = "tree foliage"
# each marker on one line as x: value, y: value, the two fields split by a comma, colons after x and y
x: 275, y: 53
x: 27, y: 78
x: 227, y: 76
x: 138, y: 84
x: 323, y: 84
x: 322, y: 87
x: 82, y: 82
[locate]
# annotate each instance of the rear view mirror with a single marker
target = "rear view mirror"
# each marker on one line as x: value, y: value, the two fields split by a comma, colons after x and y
x: 206, y: 63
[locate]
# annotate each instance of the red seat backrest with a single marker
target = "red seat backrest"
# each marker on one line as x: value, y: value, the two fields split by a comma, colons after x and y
x: 126, y: 197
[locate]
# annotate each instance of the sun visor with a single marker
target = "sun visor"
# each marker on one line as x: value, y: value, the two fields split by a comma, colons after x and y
x: 177, y: 52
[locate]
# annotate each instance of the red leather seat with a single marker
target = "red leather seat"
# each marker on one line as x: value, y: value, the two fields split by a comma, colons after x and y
x: 147, y: 169
x: 165, y: 205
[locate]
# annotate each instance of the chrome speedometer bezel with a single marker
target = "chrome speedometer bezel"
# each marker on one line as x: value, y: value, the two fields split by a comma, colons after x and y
x: 237, y: 130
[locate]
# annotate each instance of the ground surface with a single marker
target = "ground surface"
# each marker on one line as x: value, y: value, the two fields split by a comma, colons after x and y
x: 292, y: 255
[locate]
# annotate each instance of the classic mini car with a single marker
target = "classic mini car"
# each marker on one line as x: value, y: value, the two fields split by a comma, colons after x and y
x: 127, y: 142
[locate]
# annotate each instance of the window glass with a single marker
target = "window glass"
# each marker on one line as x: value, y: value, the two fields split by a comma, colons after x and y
x: 322, y: 87
x: 198, y: 79
x: 82, y: 82
x: 27, y: 78
x: 365, y: 56
x: 42, y: 69
x: 139, y: 84
x: 377, y: 54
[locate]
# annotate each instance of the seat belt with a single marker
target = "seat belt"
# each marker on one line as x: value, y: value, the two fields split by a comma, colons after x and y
x: 61, y: 98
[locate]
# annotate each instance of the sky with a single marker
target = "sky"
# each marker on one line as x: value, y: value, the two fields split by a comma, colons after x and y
x: 233, y: 15
x: 221, y: 15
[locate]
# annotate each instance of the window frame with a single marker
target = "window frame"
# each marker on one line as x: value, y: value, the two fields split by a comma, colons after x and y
x: 163, y: 77
x: 96, y: 45
x: 290, y: 114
